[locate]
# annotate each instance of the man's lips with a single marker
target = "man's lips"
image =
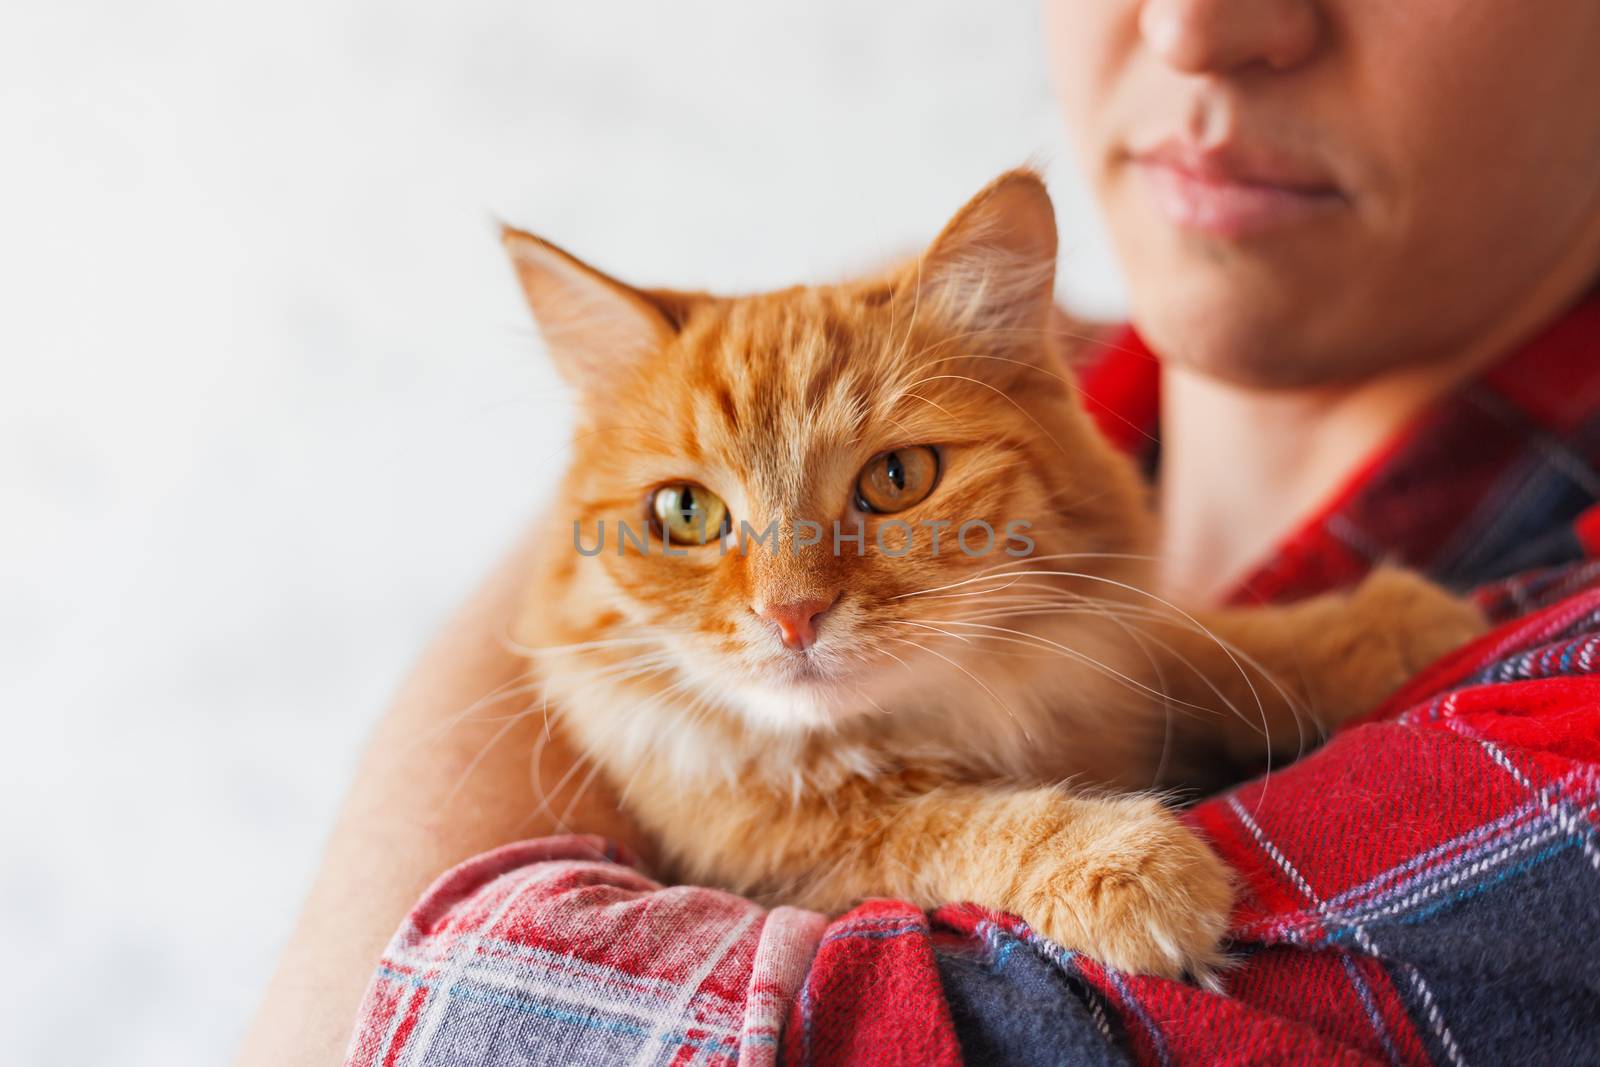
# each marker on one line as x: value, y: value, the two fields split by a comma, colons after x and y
x: 1231, y: 191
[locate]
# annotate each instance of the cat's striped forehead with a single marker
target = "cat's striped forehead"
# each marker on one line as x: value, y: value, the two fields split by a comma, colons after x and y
x: 783, y: 385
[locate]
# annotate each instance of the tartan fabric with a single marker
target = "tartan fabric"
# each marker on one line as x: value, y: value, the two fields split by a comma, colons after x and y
x: 554, y: 951
x: 1442, y: 907
x: 1424, y: 889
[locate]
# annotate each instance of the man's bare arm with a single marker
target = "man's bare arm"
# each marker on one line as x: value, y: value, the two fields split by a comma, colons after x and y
x: 433, y: 788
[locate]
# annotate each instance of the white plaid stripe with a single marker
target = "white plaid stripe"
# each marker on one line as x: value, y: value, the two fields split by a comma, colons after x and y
x: 1442, y: 1031
x: 1483, y: 849
x: 783, y: 956
x: 1572, y: 823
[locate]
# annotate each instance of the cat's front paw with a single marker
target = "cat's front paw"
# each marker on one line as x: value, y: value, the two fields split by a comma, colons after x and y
x: 1417, y: 620
x: 1131, y: 887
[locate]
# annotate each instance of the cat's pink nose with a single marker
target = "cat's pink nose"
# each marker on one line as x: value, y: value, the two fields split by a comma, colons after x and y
x: 796, y: 620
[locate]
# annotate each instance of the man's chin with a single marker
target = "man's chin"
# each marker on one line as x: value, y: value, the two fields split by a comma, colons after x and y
x: 1205, y: 320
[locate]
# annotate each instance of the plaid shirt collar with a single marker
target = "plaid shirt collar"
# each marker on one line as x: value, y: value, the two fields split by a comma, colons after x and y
x: 1499, y: 477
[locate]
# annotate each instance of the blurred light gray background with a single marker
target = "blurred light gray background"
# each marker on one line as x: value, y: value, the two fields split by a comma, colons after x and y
x: 269, y: 403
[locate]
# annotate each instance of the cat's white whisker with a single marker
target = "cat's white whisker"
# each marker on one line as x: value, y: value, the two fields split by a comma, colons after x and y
x: 909, y: 395
x: 487, y: 747
x: 981, y: 684
x: 508, y: 690
x: 1073, y: 603
x: 581, y: 646
x: 1128, y: 587
x: 1134, y: 556
x: 1048, y: 436
x: 1008, y: 635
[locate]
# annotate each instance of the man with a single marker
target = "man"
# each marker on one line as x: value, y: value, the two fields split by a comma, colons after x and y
x: 1360, y: 236
x: 1332, y: 214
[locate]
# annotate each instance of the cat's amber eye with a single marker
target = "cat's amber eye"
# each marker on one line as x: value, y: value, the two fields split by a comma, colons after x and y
x: 895, y: 480
x: 689, y: 514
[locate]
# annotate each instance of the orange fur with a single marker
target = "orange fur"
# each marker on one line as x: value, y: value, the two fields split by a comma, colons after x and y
x: 917, y: 749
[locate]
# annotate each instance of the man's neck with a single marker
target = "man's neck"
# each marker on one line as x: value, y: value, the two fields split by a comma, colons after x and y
x: 1243, y: 469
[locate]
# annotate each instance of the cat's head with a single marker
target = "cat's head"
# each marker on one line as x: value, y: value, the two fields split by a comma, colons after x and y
x: 847, y: 494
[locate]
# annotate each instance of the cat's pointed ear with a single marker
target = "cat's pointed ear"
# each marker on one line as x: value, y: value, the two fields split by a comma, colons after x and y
x: 993, y: 268
x: 596, y: 327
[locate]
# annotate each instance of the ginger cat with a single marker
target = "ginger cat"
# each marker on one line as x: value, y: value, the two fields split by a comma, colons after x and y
x: 835, y: 713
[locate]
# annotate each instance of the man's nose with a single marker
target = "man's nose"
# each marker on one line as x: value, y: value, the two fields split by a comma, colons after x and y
x: 796, y: 620
x: 1220, y: 36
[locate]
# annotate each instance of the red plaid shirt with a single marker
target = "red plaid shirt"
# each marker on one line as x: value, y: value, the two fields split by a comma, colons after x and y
x: 1423, y: 889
